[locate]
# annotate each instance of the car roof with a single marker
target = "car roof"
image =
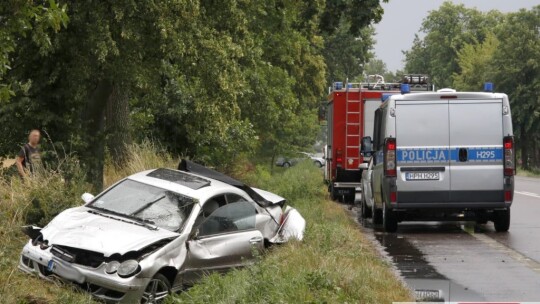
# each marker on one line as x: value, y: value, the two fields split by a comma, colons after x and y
x: 199, y: 192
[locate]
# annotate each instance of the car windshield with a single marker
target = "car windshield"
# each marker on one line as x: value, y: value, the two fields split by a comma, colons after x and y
x: 162, y: 208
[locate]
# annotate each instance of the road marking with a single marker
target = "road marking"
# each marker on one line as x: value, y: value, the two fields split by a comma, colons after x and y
x: 528, y: 194
x: 517, y: 256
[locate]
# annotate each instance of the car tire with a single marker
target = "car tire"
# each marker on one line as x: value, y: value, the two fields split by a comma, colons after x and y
x: 390, y: 222
x: 318, y: 164
x: 365, y: 212
x: 286, y: 165
x: 501, y: 220
x: 157, y: 290
x: 377, y: 216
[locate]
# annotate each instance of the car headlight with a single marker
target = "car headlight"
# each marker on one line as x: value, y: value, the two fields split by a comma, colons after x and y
x: 128, y: 268
x: 112, y: 267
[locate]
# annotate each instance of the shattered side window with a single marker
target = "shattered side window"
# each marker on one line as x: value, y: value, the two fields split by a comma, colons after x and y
x: 229, y: 218
x: 169, y: 213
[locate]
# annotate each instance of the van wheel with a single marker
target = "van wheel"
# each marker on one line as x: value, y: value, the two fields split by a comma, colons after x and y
x: 390, y: 222
x: 501, y: 220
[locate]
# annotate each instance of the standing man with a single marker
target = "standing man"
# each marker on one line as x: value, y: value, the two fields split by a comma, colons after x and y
x: 29, y: 158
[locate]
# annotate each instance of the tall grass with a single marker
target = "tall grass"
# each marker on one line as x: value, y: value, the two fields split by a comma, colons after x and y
x: 334, y: 263
x: 35, y: 200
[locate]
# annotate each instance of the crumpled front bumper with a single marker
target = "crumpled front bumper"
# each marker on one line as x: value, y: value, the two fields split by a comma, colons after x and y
x: 107, y: 287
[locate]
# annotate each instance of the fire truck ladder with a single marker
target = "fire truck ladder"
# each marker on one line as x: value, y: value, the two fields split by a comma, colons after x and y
x: 352, y: 139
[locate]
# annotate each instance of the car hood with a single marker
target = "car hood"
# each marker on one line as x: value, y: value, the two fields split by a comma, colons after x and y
x: 79, y: 228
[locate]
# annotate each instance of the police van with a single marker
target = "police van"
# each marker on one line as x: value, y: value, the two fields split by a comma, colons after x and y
x: 443, y: 154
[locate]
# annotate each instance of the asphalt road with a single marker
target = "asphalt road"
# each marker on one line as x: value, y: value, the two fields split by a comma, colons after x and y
x: 460, y: 261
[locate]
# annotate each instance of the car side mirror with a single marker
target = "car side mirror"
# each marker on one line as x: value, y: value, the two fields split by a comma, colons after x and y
x: 363, y: 166
x: 87, y: 197
x: 366, y: 146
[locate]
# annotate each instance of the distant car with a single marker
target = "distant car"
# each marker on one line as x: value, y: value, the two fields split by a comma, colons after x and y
x: 157, y: 231
x: 300, y: 156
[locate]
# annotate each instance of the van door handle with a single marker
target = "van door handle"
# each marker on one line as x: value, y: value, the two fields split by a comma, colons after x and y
x: 463, y: 155
x: 255, y: 240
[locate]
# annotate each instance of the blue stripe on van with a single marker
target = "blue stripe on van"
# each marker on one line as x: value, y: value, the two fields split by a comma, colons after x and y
x: 442, y: 155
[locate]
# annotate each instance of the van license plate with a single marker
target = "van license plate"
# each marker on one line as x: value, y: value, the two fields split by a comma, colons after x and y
x: 420, y: 176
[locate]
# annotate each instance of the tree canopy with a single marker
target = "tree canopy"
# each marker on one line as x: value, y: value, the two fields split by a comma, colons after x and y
x: 465, y: 48
x: 212, y: 80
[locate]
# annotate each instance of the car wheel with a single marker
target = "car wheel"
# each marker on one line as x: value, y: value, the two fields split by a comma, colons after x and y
x: 157, y: 290
x: 286, y: 165
x: 366, y: 211
x: 318, y: 164
x: 501, y: 220
x: 390, y: 222
x: 376, y: 215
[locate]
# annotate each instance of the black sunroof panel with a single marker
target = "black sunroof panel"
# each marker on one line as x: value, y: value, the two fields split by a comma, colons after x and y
x: 181, y: 178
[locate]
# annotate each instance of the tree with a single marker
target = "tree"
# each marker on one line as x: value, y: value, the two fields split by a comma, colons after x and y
x: 447, y: 30
x: 517, y: 72
x: 19, y: 19
x: 475, y: 63
x: 208, y: 79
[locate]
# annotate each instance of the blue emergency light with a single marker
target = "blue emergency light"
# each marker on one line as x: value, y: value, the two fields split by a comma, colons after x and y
x: 488, y: 87
x: 405, y: 88
x: 384, y: 97
x: 338, y: 85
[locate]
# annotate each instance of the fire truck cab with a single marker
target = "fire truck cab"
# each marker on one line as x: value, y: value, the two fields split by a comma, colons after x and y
x: 350, y: 112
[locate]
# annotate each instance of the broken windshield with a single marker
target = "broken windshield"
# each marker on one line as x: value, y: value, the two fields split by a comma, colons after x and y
x: 162, y: 208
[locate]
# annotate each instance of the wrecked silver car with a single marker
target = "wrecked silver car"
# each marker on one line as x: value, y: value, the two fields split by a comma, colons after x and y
x: 157, y: 231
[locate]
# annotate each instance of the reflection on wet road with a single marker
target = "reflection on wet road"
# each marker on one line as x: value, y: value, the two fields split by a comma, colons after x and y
x: 466, y: 262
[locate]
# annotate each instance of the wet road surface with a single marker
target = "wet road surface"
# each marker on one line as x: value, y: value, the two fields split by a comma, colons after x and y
x: 461, y: 261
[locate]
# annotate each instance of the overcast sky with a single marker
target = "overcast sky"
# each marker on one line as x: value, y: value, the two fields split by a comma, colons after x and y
x: 403, y: 18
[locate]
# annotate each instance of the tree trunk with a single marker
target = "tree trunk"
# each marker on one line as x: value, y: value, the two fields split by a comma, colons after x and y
x: 117, y: 124
x: 94, y: 135
x: 524, y: 149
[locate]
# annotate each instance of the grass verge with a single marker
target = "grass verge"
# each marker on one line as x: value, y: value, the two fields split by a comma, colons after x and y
x: 528, y: 173
x: 334, y: 263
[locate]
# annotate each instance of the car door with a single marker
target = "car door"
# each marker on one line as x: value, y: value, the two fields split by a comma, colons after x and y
x: 476, y: 146
x: 423, y: 160
x: 226, y: 238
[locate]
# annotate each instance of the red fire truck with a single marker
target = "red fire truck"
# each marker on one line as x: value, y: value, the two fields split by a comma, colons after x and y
x: 350, y: 112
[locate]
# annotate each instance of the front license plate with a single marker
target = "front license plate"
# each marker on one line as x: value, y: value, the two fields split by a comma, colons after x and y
x: 419, y: 176
x: 50, y: 265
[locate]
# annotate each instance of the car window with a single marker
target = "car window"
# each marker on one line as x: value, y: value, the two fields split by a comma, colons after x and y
x: 229, y: 218
x: 234, y: 198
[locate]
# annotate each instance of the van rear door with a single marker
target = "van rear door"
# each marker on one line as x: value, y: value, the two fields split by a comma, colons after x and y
x: 476, y: 148
x: 423, y: 160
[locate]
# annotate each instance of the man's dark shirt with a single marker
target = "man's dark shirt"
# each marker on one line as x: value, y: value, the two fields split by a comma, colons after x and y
x: 31, y: 157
